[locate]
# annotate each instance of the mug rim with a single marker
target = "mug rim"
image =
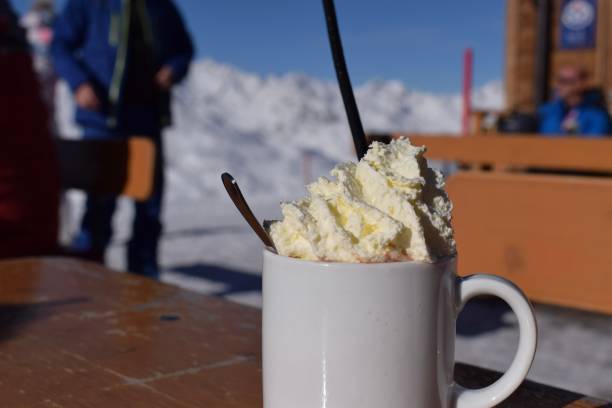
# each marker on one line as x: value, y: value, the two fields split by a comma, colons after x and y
x: 327, y: 264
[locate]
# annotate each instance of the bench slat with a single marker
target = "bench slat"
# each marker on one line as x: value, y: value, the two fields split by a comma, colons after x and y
x: 549, y: 234
x: 568, y: 153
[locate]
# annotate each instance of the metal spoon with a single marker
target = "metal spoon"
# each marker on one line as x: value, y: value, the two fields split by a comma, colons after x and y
x: 240, y: 202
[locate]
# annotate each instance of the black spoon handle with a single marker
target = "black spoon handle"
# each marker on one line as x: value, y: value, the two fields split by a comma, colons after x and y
x: 240, y: 202
x: 344, y: 81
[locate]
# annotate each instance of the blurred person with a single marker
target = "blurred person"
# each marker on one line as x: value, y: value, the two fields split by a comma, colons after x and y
x: 121, y: 59
x: 29, y: 180
x: 575, y: 111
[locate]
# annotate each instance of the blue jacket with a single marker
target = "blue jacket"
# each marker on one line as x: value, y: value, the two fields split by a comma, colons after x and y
x: 592, y: 120
x: 90, y: 45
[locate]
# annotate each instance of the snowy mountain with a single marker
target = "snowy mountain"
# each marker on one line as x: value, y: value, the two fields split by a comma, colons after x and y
x: 268, y: 131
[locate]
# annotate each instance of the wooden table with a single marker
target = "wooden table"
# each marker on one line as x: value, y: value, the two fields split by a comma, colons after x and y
x: 73, y: 334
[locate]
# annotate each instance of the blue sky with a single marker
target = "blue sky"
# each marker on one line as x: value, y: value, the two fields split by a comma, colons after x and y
x: 418, y: 42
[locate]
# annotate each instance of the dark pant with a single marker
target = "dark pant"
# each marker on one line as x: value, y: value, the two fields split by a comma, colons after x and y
x: 96, y: 226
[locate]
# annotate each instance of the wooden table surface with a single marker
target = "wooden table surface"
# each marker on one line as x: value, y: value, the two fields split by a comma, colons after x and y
x: 74, y: 334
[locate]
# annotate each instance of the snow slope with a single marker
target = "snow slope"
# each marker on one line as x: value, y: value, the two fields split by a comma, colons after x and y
x: 265, y: 131
x: 260, y: 128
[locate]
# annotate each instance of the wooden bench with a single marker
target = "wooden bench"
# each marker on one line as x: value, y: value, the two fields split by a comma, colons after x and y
x: 549, y: 231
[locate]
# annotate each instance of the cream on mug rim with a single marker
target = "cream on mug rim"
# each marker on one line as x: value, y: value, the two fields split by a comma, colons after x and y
x: 389, y: 207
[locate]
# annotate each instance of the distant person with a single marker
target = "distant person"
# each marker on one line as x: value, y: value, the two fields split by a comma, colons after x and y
x: 121, y: 59
x: 29, y: 181
x: 575, y: 111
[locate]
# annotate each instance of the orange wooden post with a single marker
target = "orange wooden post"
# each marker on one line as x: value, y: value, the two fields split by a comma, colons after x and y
x: 141, y: 168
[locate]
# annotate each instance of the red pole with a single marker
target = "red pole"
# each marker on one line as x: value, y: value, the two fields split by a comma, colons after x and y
x: 468, y: 66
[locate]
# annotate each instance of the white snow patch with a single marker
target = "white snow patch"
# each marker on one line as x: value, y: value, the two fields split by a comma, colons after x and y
x: 261, y: 129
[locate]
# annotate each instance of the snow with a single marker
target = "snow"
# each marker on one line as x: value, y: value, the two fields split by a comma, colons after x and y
x: 273, y: 134
x: 260, y: 128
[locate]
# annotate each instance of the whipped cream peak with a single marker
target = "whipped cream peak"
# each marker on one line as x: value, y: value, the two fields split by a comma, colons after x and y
x: 388, y: 207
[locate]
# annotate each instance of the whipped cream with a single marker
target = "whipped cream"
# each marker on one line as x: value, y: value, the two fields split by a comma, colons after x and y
x: 388, y: 207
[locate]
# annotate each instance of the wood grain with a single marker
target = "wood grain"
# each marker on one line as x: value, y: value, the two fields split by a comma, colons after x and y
x: 548, y: 234
x: 77, y: 335
x: 527, y: 150
x: 520, y: 54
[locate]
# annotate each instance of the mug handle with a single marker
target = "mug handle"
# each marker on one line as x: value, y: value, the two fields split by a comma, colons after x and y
x: 501, y: 389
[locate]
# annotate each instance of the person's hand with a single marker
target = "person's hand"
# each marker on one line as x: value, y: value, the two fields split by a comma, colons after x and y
x: 165, y: 78
x: 86, y: 97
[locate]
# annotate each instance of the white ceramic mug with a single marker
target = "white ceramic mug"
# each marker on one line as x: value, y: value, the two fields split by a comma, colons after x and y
x: 340, y: 335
